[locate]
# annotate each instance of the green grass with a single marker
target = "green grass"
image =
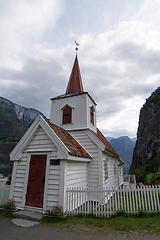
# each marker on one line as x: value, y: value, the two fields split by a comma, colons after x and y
x: 122, y: 223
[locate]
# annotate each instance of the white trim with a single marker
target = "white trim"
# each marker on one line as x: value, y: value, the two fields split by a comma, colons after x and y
x: 66, y: 105
x: 23, y: 143
x: 79, y: 159
x: 100, y: 168
x: 26, y: 180
x: 96, y: 140
x: 25, y: 140
x: 46, y: 182
x: 39, y: 150
x: 13, y: 180
x: 62, y: 184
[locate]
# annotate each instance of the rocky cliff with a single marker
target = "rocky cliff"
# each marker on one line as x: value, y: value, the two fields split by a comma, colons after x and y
x: 25, y: 115
x: 148, y: 129
x: 14, y: 121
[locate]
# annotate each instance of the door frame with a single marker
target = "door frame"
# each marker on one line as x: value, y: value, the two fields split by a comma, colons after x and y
x: 27, y: 176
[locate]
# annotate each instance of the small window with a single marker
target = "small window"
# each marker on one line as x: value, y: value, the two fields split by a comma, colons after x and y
x: 92, y: 114
x: 105, y: 170
x: 115, y: 169
x: 67, y: 115
x: 54, y: 162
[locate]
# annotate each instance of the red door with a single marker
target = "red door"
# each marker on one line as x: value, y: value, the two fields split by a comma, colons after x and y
x: 36, y: 180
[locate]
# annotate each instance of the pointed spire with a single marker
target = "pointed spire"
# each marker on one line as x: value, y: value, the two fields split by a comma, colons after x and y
x: 75, y: 81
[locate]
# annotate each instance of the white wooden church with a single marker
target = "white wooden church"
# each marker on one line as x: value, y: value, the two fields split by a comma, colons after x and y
x: 67, y: 151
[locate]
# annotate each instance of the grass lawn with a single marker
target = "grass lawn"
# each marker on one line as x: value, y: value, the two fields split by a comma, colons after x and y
x: 141, y: 225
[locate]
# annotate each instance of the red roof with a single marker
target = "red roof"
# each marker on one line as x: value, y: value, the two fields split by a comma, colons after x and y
x: 108, y: 145
x: 73, y: 146
x: 75, y: 81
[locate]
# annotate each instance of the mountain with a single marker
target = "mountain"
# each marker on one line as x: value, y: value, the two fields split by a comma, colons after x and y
x: 145, y: 158
x: 14, y: 121
x: 124, y: 147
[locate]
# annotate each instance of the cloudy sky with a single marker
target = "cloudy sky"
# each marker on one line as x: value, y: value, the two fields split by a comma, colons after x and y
x: 119, y: 55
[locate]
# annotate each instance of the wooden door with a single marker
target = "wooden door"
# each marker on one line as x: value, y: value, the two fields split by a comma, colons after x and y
x: 36, y: 180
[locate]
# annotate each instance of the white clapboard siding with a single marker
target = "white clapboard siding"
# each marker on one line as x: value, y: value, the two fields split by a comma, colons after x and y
x: 76, y: 174
x: 92, y: 167
x: 120, y: 174
x: 40, y: 141
x: 104, y: 202
x: 20, y: 180
x: 53, y: 186
x: 80, y: 112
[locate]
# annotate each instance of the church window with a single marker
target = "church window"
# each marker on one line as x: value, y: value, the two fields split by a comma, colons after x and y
x: 92, y: 114
x: 67, y: 115
x: 115, y: 169
x: 105, y: 169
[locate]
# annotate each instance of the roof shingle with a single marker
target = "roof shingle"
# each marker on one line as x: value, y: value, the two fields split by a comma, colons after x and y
x: 73, y: 146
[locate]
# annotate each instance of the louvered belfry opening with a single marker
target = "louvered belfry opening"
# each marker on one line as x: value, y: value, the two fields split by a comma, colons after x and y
x: 92, y: 114
x: 67, y: 115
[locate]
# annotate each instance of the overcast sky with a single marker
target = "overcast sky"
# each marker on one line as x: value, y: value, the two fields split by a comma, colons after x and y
x: 119, y: 55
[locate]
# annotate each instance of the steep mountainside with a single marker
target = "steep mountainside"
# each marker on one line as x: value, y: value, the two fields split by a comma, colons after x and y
x: 124, y: 147
x: 14, y: 121
x: 146, y: 160
x: 148, y: 129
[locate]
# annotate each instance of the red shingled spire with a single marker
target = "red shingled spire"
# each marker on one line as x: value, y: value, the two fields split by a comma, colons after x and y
x: 75, y: 81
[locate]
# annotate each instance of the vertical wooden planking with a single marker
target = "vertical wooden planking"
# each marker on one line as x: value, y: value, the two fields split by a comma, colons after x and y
x: 148, y: 197
x: 142, y: 197
x: 85, y: 207
x: 146, y: 205
x: 116, y: 200
x: 119, y: 189
x: 154, y: 197
x: 107, y: 194
x: 133, y: 201
x: 105, y: 202
x: 127, y: 192
x: 121, y: 202
x: 136, y: 193
x: 140, y: 207
x: 124, y: 196
x: 157, y: 193
x: 130, y: 201
x: 151, y: 198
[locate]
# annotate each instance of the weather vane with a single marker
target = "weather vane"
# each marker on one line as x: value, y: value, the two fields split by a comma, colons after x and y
x: 77, y: 44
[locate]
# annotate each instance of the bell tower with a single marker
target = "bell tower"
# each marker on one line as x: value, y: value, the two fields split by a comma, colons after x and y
x: 74, y: 110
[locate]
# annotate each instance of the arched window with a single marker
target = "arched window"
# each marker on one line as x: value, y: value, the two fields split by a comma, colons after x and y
x: 92, y: 114
x: 67, y: 115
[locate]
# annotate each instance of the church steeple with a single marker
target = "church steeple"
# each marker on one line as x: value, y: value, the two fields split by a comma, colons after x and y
x: 75, y: 81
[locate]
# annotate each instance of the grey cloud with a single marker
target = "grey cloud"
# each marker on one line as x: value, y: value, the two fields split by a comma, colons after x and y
x: 35, y: 84
x: 145, y: 59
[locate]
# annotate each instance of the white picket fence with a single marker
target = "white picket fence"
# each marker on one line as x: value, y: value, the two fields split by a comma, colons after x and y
x: 104, y: 202
x: 4, y: 192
